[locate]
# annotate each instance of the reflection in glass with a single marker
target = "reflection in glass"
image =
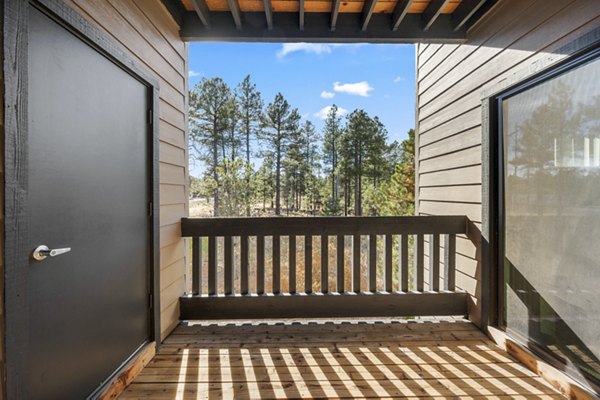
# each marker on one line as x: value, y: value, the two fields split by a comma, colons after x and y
x: 552, y: 216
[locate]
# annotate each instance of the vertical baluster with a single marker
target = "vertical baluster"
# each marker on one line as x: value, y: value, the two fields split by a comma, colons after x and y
x: 244, y: 264
x: 196, y: 265
x: 324, y: 263
x: 292, y: 264
x: 434, y: 263
x: 419, y: 262
x: 404, y: 263
x: 212, y: 265
x: 372, y: 263
x: 308, y: 264
x: 340, y: 264
x: 450, y: 262
x: 356, y: 263
x: 276, y: 264
x: 388, y: 284
x: 228, y: 270
x: 260, y: 264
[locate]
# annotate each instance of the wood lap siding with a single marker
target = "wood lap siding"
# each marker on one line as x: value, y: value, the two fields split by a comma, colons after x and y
x: 146, y: 31
x: 2, y: 313
x: 516, y: 37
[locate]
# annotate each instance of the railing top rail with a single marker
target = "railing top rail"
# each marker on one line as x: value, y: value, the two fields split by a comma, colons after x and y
x: 300, y: 226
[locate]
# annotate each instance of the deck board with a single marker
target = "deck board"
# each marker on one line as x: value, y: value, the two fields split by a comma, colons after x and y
x: 335, y: 359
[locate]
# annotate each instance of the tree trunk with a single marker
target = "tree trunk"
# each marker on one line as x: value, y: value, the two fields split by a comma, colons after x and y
x: 247, y: 167
x: 358, y: 186
x: 215, y: 177
x: 346, y: 198
x: 278, y: 181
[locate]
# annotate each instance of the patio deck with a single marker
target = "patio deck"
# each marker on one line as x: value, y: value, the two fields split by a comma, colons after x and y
x: 369, y: 358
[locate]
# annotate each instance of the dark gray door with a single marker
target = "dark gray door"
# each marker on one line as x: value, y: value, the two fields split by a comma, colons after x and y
x: 88, y: 191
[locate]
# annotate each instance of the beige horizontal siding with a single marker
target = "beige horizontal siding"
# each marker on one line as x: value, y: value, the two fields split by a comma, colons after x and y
x: 517, y: 36
x: 145, y: 30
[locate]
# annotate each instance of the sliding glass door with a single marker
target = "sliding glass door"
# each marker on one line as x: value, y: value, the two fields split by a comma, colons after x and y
x: 550, y: 221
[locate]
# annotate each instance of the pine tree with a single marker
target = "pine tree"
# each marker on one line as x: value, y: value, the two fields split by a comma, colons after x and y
x: 263, y: 181
x: 294, y: 170
x: 396, y: 196
x: 280, y: 122
x: 209, y: 104
x: 250, y: 105
x: 361, y: 150
x: 332, y: 132
x: 311, y: 165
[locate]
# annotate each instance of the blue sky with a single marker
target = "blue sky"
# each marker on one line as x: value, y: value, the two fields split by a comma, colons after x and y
x: 377, y: 78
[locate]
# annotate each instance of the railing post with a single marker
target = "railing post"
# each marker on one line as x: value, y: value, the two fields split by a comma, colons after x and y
x: 260, y: 264
x: 356, y: 263
x: 324, y: 263
x: 196, y: 265
x: 404, y: 263
x: 372, y: 272
x: 276, y: 262
x: 228, y: 267
x: 244, y: 264
x: 292, y: 263
x: 419, y: 263
x: 388, y: 274
x: 450, y: 262
x: 434, y: 263
x: 340, y: 263
x: 308, y: 264
x: 212, y: 265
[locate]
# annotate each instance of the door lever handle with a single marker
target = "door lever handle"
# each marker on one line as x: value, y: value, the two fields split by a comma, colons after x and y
x: 41, y: 252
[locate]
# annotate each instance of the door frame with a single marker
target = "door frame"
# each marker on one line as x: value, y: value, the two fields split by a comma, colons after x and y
x: 492, y: 196
x: 15, y: 71
x: 571, y: 62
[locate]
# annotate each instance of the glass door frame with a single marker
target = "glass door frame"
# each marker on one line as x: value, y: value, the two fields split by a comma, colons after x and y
x: 497, y: 184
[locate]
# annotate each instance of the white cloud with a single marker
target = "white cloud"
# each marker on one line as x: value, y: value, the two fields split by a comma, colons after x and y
x: 322, y: 114
x: 327, y: 95
x: 359, y: 88
x: 315, y: 48
x: 193, y: 74
x: 398, y: 79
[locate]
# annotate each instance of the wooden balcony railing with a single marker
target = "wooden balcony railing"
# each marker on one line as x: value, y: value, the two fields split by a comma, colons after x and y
x: 402, y: 283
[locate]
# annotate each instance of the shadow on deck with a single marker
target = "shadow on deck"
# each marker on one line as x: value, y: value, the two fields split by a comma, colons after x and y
x: 368, y: 358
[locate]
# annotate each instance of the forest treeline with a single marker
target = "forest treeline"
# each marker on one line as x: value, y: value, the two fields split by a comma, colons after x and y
x: 259, y: 157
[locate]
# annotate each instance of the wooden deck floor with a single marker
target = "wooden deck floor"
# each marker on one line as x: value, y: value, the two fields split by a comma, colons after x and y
x: 340, y: 359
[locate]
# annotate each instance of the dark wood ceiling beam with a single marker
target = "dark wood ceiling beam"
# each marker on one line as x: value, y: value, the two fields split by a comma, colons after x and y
x: 335, y: 12
x: 367, y: 13
x: 400, y: 12
x: 202, y: 11
x: 301, y: 16
x: 319, y: 29
x: 432, y: 12
x: 176, y: 9
x: 234, y: 7
x: 268, y: 13
x: 464, y: 11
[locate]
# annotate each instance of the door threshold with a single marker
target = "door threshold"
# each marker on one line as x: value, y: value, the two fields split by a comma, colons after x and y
x: 126, y: 373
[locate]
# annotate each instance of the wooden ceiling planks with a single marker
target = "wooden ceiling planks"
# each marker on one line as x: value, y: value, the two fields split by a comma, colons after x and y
x: 347, y: 6
x: 343, y: 21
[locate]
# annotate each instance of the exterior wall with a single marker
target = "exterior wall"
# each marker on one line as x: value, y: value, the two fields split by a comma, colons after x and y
x: 145, y: 30
x: 515, y: 40
x: 2, y: 314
